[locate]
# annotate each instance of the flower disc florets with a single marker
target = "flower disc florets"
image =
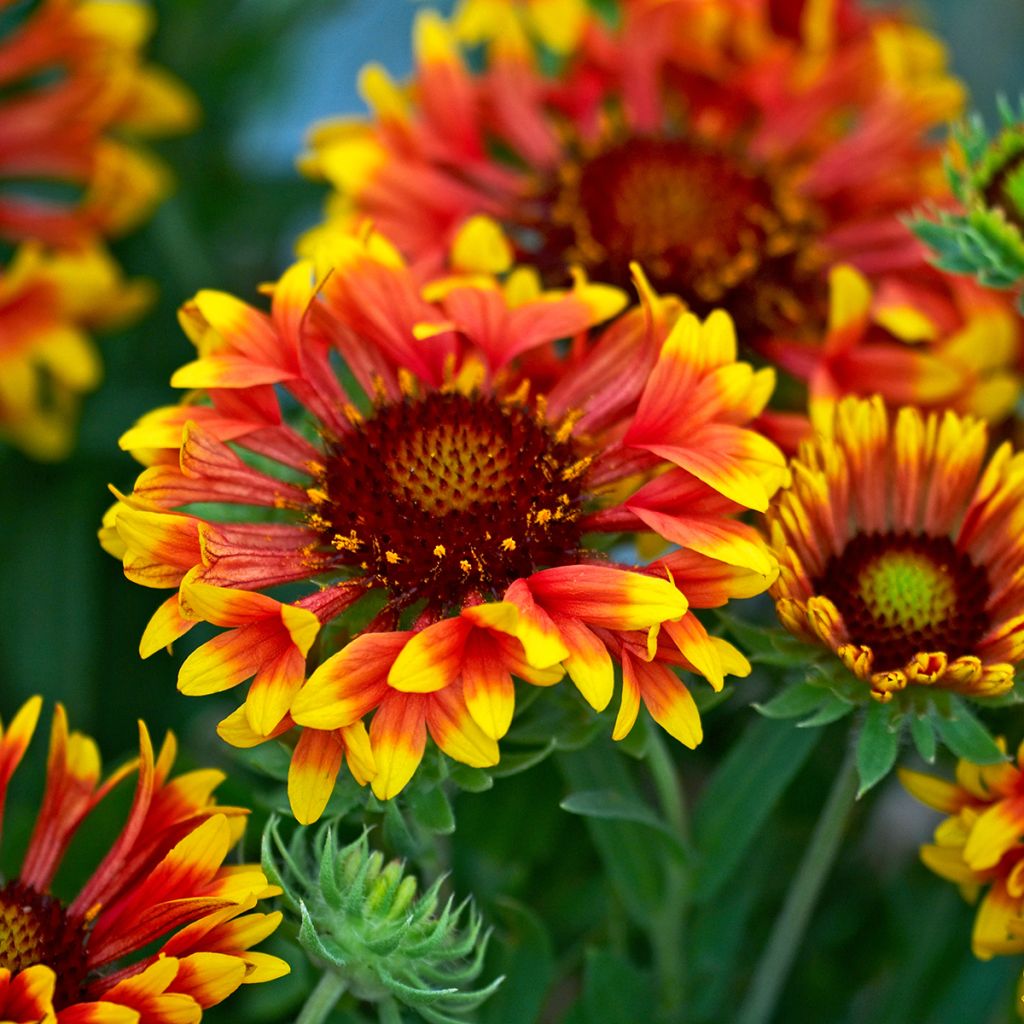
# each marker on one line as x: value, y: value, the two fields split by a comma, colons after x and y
x: 446, y: 495
x: 731, y: 153
x: 898, y: 550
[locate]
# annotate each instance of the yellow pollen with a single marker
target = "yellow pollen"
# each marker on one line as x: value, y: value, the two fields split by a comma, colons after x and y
x: 465, y: 566
x: 520, y: 395
x: 343, y: 543
x: 440, y: 551
x: 352, y: 414
x: 568, y: 424
x: 392, y: 557
x: 407, y: 383
x: 317, y: 521
x: 543, y: 517
x: 577, y: 469
x: 315, y: 468
x: 508, y: 544
x: 316, y: 495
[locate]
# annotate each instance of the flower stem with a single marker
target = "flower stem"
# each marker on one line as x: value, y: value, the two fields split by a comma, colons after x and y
x: 330, y: 988
x: 788, y: 931
x: 668, y: 928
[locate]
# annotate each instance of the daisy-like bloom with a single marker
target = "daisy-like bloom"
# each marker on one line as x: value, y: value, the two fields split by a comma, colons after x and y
x: 900, y: 550
x: 74, y: 94
x: 448, y: 492
x: 50, y: 302
x: 980, y: 845
x: 733, y: 150
x: 928, y: 340
x: 162, y: 929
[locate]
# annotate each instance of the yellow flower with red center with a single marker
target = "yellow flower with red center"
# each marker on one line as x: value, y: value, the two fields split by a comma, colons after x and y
x: 899, y: 550
x: 49, y: 304
x: 733, y: 150
x: 162, y: 929
x: 980, y: 845
x: 926, y: 339
x: 75, y: 93
x: 453, y: 483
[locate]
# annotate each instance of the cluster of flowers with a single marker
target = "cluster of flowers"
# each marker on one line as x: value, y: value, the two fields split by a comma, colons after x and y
x: 429, y: 471
x: 76, y: 97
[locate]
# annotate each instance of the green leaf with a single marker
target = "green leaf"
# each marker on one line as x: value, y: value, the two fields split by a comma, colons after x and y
x: 614, y: 806
x: 633, y: 865
x: 616, y: 991
x: 741, y: 796
x: 966, y: 737
x: 923, y: 734
x: 514, y: 763
x: 524, y: 954
x: 877, y: 746
x: 793, y: 701
x: 831, y: 709
x: 432, y: 811
x: 472, y: 780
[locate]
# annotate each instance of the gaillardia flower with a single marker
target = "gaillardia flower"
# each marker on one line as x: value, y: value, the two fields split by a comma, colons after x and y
x: 74, y: 92
x: 733, y: 150
x: 162, y: 929
x: 924, y: 339
x: 454, y: 490
x: 49, y: 304
x: 900, y: 550
x: 980, y: 845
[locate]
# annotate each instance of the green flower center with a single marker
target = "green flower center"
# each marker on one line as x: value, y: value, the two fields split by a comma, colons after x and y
x: 908, y: 590
x: 903, y: 594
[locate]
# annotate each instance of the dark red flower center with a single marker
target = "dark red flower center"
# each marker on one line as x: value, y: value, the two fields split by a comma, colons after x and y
x: 901, y: 594
x: 441, y: 497
x: 34, y: 929
x: 703, y: 222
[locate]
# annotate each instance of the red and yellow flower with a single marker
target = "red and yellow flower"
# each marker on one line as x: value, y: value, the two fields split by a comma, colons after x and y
x: 49, y: 304
x: 900, y: 550
x: 980, y: 845
x: 162, y: 929
x: 450, y: 488
x: 76, y: 93
x: 925, y: 339
x: 734, y: 150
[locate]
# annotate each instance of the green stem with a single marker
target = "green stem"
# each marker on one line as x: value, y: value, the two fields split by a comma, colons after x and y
x: 388, y: 1011
x: 788, y: 931
x: 329, y: 989
x: 668, y: 928
x: 666, y: 784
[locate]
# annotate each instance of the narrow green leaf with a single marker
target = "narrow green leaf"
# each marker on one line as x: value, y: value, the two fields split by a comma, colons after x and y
x: 616, y: 991
x: 830, y: 710
x: 633, y: 865
x: 877, y: 746
x: 524, y: 954
x: 614, y: 806
x: 966, y: 737
x: 793, y: 701
x: 923, y: 734
x: 741, y: 796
